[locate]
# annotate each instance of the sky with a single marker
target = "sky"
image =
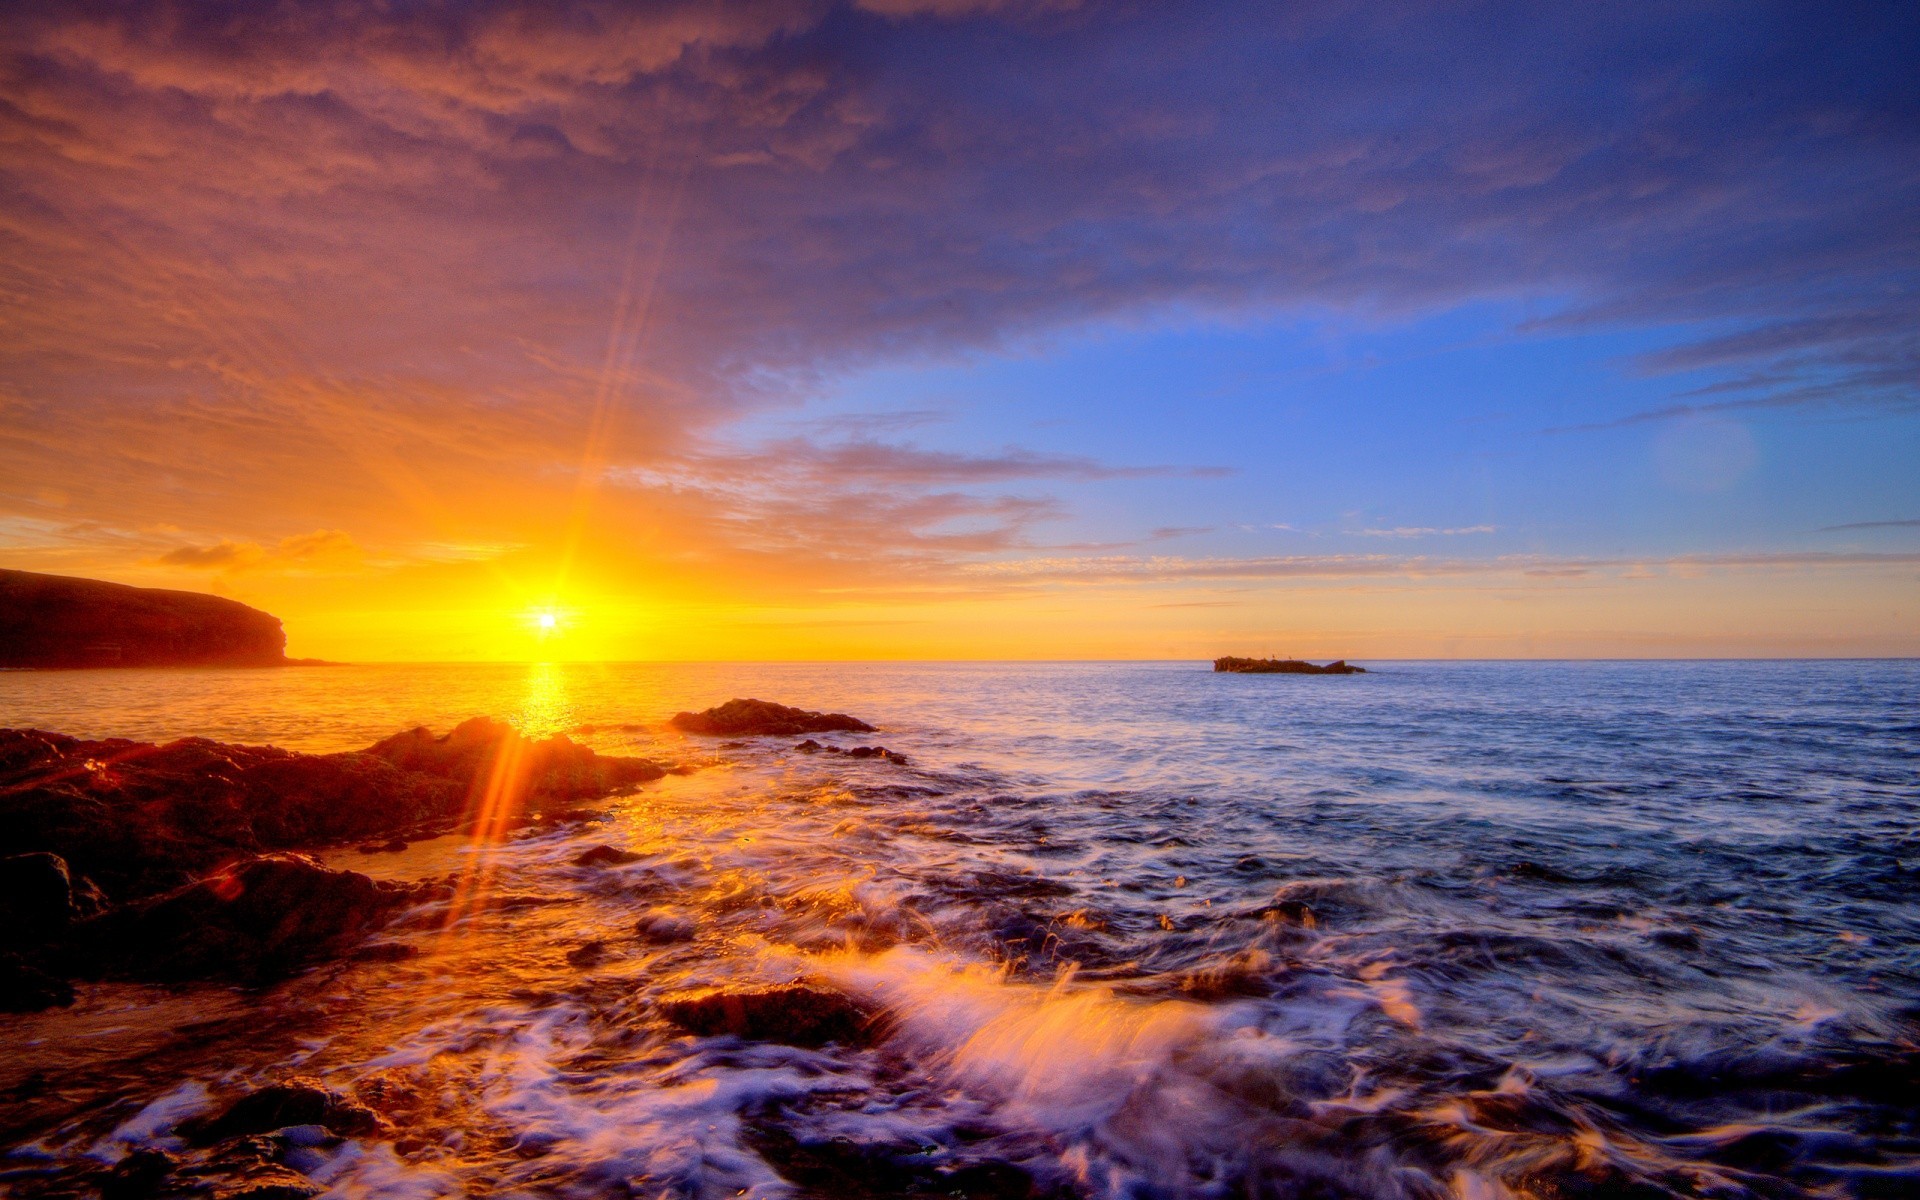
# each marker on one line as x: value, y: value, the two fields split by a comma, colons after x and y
x: 972, y: 328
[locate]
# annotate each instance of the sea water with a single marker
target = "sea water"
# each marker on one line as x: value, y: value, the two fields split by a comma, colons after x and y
x: 1133, y: 930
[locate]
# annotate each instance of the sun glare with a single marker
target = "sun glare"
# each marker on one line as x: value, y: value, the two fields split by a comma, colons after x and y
x: 547, y: 620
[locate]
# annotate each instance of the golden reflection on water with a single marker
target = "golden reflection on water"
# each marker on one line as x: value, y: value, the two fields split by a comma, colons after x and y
x: 547, y: 707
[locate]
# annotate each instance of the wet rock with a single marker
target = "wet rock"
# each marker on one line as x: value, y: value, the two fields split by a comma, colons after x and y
x: 36, y: 893
x: 298, y: 1101
x: 753, y: 718
x: 794, y: 1014
x: 877, y: 752
x: 25, y: 987
x: 392, y: 846
x: 255, y: 919
x: 158, y: 825
x: 663, y: 928
x: 848, y: 1170
x: 809, y: 747
x: 269, y: 1183
x: 542, y: 774
x: 138, y: 1176
x: 606, y: 856
x: 590, y: 954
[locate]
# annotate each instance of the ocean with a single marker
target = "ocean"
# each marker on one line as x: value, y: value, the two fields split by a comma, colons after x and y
x: 1540, y: 929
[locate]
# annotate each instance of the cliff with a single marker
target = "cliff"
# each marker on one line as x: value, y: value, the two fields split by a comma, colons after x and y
x: 61, y: 621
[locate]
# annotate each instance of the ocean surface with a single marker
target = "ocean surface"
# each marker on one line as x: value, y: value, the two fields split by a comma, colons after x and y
x: 1137, y: 930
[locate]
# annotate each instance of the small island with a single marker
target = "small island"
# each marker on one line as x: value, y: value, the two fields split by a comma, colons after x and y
x: 1284, y: 666
x: 65, y: 621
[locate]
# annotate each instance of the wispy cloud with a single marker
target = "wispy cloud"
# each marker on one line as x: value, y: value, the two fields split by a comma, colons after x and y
x: 1852, y: 525
x: 1421, y: 531
x: 321, y: 550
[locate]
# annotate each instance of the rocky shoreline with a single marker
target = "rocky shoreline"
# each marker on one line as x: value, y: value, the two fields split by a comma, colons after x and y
x: 124, y: 860
x: 194, y: 860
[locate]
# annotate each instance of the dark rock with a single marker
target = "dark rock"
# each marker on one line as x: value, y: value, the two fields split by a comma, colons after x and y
x: 553, y: 770
x: 36, y: 894
x: 138, y: 1175
x: 1283, y: 666
x: 606, y: 856
x: 25, y: 987
x: 256, y: 919
x: 751, y: 718
x: 849, y: 1170
x: 143, y: 819
x: 809, y: 747
x: 62, y: 621
x: 300, y: 1100
x: 794, y: 1014
x: 877, y: 752
x: 589, y: 954
x: 663, y: 928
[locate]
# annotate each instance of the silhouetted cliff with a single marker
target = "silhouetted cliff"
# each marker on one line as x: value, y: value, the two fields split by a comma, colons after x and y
x: 61, y: 621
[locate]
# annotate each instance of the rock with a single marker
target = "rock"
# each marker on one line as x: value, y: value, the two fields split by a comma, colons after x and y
x: 877, y: 752
x: 256, y: 919
x: 550, y: 771
x: 138, y: 1175
x: 606, y: 856
x: 589, y: 954
x: 1283, y: 666
x: 25, y: 987
x: 794, y: 1014
x: 63, y: 621
x: 269, y: 1183
x: 143, y: 819
x: 36, y: 894
x: 754, y: 718
x: 298, y: 1101
x: 663, y: 927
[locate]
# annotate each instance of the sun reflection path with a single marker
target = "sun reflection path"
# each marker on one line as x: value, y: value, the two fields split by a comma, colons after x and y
x: 499, y: 793
x: 548, y: 707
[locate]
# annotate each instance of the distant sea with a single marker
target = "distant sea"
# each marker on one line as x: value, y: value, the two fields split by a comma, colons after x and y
x: 1467, y: 929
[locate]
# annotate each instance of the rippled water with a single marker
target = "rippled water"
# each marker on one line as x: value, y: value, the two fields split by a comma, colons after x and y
x: 1465, y: 929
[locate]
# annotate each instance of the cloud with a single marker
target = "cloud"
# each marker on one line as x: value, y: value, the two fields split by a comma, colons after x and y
x: 1170, y: 569
x: 321, y: 550
x: 413, y: 270
x: 1420, y: 531
x: 1853, y: 525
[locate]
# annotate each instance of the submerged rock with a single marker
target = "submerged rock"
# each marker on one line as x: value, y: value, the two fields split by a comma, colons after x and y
x: 751, y: 718
x: 794, y: 1014
x: 297, y: 1101
x: 1284, y: 666
x: 606, y: 856
x: 138, y: 1175
x: 663, y: 927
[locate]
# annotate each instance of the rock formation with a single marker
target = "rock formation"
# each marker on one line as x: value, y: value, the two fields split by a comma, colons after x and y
x: 128, y: 860
x: 61, y: 621
x: 1284, y: 666
x: 750, y: 718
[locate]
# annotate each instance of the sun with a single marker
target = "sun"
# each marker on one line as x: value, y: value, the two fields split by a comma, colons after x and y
x: 547, y: 621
